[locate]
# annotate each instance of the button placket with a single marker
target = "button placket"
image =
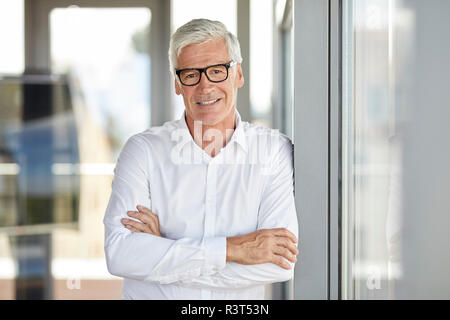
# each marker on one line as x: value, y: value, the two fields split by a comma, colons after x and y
x: 210, y: 198
x: 210, y: 210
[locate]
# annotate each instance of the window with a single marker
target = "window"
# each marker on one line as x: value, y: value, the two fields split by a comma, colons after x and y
x: 261, y: 61
x: 12, y: 54
x: 373, y: 54
x: 108, y: 64
x: 60, y: 135
x: 11, y: 63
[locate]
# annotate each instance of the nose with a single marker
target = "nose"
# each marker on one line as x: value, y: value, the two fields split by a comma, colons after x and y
x: 204, y: 82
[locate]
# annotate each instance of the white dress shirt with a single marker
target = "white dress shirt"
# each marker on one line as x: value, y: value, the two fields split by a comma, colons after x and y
x: 200, y: 201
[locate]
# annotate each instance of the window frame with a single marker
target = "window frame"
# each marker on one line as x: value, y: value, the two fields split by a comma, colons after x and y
x: 317, y: 152
x: 37, y: 45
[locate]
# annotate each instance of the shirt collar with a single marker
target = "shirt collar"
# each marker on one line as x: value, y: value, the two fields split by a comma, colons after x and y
x: 238, y: 134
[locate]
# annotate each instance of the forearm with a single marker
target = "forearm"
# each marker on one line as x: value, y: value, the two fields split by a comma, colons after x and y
x: 263, y: 246
x: 193, y: 262
x: 258, y: 258
x: 253, y: 259
x: 238, y: 276
x: 146, y: 257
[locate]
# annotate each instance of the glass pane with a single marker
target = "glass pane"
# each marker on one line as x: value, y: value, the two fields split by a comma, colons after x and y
x: 108, y: 69
x: 261, y: 61
x: 109, y: 65
x: 60, y: 136
x: 12, y: 55
x: 372, y: 58
x: 37, y: 129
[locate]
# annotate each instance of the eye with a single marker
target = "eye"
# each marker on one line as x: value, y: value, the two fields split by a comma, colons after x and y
x: 187, y: 75
x: 217, y: 71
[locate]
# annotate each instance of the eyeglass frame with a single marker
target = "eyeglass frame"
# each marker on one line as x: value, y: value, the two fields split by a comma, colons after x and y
x: 228, y: 65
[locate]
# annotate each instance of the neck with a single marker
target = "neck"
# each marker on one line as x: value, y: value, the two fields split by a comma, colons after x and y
x: 212, y: 138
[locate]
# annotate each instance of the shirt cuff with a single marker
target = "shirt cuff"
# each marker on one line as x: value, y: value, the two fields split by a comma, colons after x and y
x: 215, y: 253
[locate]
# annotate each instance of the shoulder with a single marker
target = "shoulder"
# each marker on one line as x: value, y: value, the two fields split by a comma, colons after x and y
x: 263, y: 139
x: 158, y: 137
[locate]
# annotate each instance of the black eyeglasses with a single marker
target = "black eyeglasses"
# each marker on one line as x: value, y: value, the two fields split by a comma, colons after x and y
x: 215, y: 73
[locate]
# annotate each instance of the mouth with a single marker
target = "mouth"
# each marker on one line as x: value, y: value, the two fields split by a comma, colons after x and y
x: 208, y: 103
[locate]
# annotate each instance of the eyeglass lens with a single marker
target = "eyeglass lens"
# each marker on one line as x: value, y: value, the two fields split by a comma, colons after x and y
x: 213, y: 73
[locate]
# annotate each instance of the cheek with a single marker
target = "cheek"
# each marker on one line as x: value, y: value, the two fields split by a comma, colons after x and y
x: 231, y: 92
x: 188, y: 102
x: 187, y: 97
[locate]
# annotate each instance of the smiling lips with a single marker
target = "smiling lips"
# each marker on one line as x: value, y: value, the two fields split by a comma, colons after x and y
x: 207, y: 103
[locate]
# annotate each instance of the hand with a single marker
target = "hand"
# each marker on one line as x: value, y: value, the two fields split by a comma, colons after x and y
x: 263, y: 246
x: 149, y: 224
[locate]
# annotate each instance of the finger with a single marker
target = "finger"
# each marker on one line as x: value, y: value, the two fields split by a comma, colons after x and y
x: 137, y: 225
x: 148, y: 213
x: 131, y: 228
x: 148, y: 225
x: 287, y: 243
x: 283, y: 232
x: 156, y: 225
x: 155, y: 219
x: 139, y: 215
x: 144, y: 209
x: 151, y: 220
x: 147, y: 219
x: 286, y: 253
x: 279, y: 261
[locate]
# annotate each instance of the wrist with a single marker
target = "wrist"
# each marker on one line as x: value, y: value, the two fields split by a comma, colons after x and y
x: 231, y: 248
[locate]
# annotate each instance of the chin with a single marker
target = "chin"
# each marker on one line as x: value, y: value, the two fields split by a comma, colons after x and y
x: 210, y: 120
x: 209, y: 117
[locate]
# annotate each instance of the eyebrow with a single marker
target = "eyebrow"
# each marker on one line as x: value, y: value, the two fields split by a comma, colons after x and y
x: 210, y: 65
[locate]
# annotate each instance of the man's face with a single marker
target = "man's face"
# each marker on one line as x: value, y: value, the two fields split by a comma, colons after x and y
x: 195, y: 97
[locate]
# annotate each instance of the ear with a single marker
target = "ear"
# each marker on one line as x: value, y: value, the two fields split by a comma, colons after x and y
x: 239, y: 76
x: 177, y: 87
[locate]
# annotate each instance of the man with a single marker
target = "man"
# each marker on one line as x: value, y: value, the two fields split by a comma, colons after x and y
x: 215, y: 214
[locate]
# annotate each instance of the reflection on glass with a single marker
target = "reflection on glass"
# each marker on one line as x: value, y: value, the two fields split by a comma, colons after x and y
x: 12, y: 53
x: 373, y: 56
x: 60, y: 136
x: 109, y: 67
x: 37, y: 130
x: 109, y: 62
x: 261, y: 61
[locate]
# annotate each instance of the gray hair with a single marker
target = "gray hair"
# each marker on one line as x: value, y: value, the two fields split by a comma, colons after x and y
x: 199, y: 31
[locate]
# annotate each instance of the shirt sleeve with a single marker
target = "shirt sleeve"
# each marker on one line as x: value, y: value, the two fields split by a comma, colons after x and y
x: 277, y: 210
x: 142, y: 256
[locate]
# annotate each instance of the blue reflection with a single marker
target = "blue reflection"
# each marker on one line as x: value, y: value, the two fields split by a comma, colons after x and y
x: 46, y: 134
